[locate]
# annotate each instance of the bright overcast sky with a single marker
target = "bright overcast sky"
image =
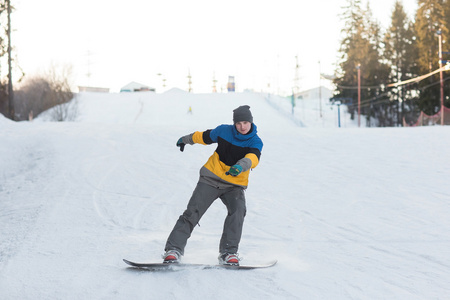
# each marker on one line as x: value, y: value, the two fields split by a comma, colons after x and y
x: 122, y: 41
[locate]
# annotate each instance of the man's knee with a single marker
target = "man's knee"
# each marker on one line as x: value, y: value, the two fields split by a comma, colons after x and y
x: 191, y: 217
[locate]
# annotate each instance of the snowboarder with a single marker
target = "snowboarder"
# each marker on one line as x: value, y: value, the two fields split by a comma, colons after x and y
x: 225, y: 176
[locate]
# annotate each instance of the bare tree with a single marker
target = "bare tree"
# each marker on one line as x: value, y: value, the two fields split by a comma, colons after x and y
x: 63, y: 108
x: 50, y: 91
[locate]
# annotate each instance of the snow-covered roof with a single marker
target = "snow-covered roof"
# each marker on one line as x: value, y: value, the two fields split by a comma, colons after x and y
x: 136, y: 86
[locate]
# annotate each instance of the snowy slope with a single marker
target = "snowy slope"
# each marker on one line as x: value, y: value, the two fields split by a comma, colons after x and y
x: 350, y: 213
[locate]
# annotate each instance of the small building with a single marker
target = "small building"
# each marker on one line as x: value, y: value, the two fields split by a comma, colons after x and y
x: 136, y: 87
x: 315, y: 93
x: 92, y: 89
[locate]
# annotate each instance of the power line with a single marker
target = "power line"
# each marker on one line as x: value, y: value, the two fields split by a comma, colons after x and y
x: 370, y: 101
x: 347, y: 87
x: 396, y: 84
x: 420, y: 78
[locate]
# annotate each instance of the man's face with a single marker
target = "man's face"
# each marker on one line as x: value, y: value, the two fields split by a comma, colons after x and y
x: 243, y: 127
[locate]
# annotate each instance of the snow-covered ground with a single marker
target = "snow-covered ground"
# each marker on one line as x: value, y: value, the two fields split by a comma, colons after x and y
x: 350, y: 213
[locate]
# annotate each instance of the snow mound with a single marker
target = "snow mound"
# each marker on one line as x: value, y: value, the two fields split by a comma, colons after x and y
x: 4, y: 120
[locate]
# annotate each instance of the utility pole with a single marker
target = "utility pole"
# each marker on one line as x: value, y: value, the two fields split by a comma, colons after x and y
x: 163, y: 81
x: 439, y: 32
x: 320, y: 89
x: 10, y: 87
x: 214, y: 88
x: 89, y: 63
x: 358, y: 67
x: 189, y: 81
x: 297, y: 77
x: 296, y: 89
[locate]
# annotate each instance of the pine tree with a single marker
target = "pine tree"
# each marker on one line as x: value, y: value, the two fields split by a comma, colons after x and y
x: 446, y: 48
x: 360, y: 46
x: 430, y: 18
x: 4, y: 104
x: 446, y: 5
x: 400, y: 54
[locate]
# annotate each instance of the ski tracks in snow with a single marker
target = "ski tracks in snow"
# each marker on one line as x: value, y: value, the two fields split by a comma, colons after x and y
x: 124, y: 175
x: 122, y: 184
x: 24, y: 173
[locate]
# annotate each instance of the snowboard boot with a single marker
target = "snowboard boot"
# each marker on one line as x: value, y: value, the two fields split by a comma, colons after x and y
x: 231, y: 259
x: 172, y: 257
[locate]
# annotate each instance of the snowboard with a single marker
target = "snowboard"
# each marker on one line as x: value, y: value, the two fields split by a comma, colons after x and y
x: 180, y: 266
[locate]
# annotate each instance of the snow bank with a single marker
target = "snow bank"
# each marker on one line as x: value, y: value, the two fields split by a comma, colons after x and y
x: 4, y: 120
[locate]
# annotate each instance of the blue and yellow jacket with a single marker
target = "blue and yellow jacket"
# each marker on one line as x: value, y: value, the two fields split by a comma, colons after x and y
x: 232, y: 148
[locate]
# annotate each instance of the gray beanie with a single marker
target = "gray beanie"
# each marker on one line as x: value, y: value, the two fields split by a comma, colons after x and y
x: 242, y: 113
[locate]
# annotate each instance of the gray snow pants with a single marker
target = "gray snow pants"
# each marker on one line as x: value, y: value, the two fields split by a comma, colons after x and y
x: 202, y: 198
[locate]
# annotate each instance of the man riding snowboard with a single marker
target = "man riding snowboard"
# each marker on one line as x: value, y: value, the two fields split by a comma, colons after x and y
x: 224, y: 176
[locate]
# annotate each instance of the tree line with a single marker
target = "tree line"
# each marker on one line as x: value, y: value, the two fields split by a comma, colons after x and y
x: 405, y: 50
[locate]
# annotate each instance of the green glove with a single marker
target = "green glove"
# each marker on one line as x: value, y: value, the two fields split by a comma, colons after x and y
x: 181, y: 144
x: 234, y: 170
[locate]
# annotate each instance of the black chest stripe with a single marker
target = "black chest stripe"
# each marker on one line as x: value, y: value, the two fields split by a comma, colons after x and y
x: 229, y: 154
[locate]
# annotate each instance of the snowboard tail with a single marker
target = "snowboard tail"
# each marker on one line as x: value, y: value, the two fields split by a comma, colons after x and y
x: 179, y: 266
